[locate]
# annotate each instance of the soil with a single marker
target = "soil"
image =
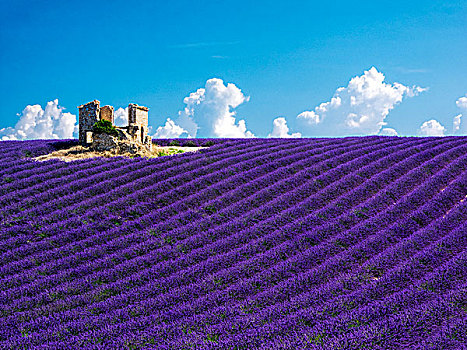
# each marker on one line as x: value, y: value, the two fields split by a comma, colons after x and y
x: 79, y: 152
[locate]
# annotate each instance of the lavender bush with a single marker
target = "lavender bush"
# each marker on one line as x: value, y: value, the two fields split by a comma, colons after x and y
x: 347, y: 243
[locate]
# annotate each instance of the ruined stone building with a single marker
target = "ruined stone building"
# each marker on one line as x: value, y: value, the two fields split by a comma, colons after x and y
x: 138, y: 121
x: 136, y: 132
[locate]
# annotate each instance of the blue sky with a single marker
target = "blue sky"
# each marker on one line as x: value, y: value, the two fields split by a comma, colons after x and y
x: 288, y: 57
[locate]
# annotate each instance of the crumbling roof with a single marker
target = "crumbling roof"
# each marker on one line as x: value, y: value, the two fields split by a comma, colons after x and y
x: 139, y: 107
x: 92, y: 102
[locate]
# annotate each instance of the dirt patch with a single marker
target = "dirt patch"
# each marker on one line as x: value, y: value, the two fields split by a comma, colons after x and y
x: 79, y: 152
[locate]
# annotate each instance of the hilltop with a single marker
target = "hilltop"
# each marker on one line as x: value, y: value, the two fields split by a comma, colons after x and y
x: 76, y: 152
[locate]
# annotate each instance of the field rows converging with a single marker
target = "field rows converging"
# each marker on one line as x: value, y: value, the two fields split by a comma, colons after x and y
x: 327, y: 243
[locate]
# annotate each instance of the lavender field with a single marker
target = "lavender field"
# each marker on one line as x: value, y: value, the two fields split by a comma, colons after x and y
x: 348, y: 243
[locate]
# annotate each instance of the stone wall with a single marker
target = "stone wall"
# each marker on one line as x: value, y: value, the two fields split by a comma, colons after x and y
x: 118, y: 144
x: 138, y: 122
x: 107, y: 113
x: 88, y: 115
x: 137, y: 114
x: 104, y: 142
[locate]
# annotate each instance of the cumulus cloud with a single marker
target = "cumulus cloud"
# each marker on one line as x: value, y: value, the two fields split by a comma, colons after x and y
x: 459, y: 123
x: 462, y: 102
x: 121, y: 117
x: 280, y: 129
x: 169, y: 130
x: 456, y: 123
x: 360, y: 108
x: 37, y: 123
x: 431, y: 128
x: 209, y: 111
x: 388, y: 132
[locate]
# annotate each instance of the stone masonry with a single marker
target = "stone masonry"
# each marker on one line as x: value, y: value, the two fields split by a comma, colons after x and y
x: 107, y: 113
x: 88, y: 115
x: 138, y: 122
x: 135, y: 134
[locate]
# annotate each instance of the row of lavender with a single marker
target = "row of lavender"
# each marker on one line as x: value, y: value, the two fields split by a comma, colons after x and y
x: 319, y: 243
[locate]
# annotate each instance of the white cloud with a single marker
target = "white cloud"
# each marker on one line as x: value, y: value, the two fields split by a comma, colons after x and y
x: 169, y: 130
x: 310, y: 117
x: 456, y: 123
x: 431, y: 128
x: 358, y: 109
x: 209, y: 111
x: 462, y: 102
x: 459, y: 123
x: 388, y: 132
x: 280, y: 129
x: 37, y: 123
x: 121, y: 117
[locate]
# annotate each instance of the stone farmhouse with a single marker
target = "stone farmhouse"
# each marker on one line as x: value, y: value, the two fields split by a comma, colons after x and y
x: 130, y: 137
